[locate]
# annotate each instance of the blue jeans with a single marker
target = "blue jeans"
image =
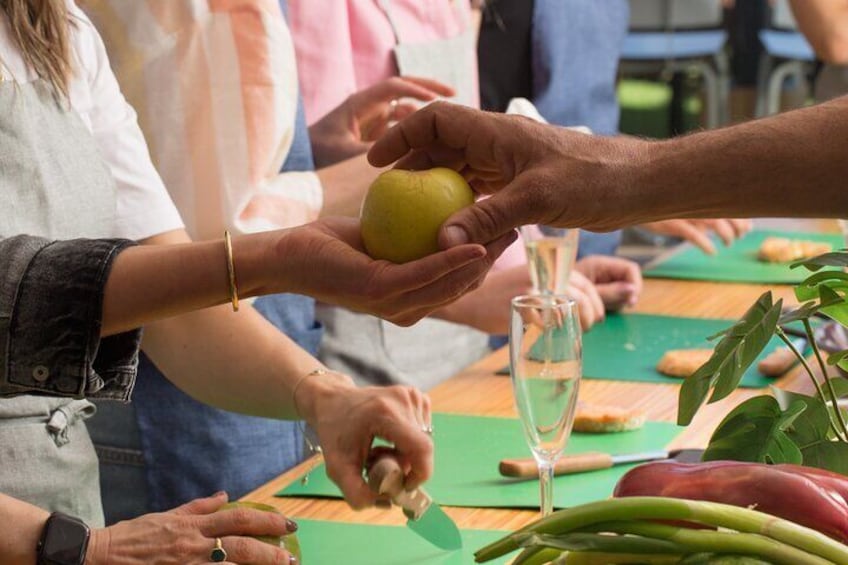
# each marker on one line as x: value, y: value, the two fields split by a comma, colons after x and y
x: 166, y: 448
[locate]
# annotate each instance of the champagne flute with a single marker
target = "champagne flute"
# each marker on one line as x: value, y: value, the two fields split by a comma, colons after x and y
x: 545, y: 361
x: 550, y: 256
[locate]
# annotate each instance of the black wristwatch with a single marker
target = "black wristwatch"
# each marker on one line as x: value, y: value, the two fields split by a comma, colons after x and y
x: 64, y: 541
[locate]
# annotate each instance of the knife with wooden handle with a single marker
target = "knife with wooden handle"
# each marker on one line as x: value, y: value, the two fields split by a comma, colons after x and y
x: 579, y: 463
x: 424, y: 517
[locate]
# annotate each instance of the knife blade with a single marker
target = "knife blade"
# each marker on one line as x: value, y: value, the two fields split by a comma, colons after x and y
x: 579, y: 463
x: 424, y: 517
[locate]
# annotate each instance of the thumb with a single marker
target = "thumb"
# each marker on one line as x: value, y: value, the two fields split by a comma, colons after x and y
x: 202, y: 505
x: 488, y: 219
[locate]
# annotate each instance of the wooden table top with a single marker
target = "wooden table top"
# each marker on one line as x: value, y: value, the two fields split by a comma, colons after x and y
x: 477, y: 390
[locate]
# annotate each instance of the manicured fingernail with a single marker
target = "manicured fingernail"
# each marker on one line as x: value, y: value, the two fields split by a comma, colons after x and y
x: 219, y: 493
x: 292, y: 560
x: 455, y: 235
x: 291, y: 526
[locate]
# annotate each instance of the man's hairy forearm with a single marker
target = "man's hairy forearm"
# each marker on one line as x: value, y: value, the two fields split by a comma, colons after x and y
x: 791, y: 164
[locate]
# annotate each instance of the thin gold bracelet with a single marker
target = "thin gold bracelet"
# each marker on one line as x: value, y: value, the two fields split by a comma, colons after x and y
x: 231, y: 271
x: 313, y: 373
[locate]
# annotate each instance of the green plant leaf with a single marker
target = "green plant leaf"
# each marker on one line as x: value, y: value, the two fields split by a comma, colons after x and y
x: 832, y: 259
x: 827, y: 454
x: 756, y: 430
x: 834, y: 306
x: 840, y: 386
x: 810, y: 427
x: 736, y: 351
x: 839, y: 358
x: 802, y: 312
x: 830, y: 289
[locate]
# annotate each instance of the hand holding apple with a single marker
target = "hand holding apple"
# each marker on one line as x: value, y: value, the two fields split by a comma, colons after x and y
x: 403, y: 211
x: 289, y: 542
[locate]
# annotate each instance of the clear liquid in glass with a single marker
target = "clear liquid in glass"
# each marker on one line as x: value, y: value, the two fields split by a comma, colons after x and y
x: 546, y: 404
x: 550, y: 260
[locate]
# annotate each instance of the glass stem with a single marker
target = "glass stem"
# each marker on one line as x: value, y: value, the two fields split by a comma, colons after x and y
x: 546, y: 486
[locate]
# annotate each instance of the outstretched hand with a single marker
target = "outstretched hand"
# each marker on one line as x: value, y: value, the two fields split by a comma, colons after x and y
x: 363, y: 117
x: 326, y: 259
x: 527, y: 166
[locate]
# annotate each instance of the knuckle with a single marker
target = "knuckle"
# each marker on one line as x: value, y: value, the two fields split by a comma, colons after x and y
x: 241, y: 518
x: 183, y: 549
x: 385, y: 403
x: 242, y: 549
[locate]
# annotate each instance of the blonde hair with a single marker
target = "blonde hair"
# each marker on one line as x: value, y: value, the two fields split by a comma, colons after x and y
x: 41, y: 29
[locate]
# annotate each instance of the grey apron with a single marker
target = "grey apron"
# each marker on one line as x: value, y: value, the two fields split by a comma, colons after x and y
x: 446, y: 60
x: 372, y: 350
x: 54, y: 184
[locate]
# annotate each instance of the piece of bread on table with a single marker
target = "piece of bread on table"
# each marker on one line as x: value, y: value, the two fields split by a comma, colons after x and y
x: 681, y: 363
x: 599, y: 419
x: 783, y: 250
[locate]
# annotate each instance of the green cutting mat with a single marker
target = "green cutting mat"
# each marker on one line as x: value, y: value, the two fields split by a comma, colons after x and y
x: 363, y: 544
x: 627, y: 347
x: 738, y: 263
x: 469, y: 448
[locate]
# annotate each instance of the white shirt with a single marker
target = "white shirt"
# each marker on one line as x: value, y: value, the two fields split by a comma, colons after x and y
x: 143, y: 207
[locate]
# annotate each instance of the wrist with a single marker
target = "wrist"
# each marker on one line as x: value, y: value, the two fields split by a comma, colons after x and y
x: 636, y: 174
x: 98, y: 547
x: 255, y: 263
x: 316, y: 389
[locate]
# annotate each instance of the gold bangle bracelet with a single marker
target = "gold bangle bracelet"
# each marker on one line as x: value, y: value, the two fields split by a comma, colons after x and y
x: 231, y: 271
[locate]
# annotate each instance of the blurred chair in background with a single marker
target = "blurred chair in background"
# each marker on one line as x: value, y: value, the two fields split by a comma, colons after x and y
x: 786, y: 54
x: 668, y: 36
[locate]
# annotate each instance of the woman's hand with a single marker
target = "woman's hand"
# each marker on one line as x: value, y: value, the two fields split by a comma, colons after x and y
x: 349, y: 129
x: 590, y: 306
x: 697, y: 231
x: 600, y: 284
x: 618, y: 281
x: 326, y: 260
x: 186, y: 536
x: 347, y: 419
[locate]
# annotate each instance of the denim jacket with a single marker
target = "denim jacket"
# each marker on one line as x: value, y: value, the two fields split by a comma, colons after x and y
x: 51, y: 302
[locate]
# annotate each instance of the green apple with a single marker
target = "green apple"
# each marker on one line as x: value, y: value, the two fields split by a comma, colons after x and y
x: 289, y: 542
x: 403, y: 211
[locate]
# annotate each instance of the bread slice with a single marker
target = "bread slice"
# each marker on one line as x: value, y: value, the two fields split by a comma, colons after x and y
x: 784, y: 250
x: 599, y: 419
x: 681, y: 363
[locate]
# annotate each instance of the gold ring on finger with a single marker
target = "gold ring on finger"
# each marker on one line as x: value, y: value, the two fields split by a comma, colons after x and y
x: 218, y: 554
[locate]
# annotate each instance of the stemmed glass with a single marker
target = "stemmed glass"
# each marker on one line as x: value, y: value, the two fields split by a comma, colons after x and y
x: 550, y: 256
x: 545, y: 361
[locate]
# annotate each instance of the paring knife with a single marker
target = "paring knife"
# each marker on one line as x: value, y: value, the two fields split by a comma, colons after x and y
x: 592, y: 461
x: 424, y: 516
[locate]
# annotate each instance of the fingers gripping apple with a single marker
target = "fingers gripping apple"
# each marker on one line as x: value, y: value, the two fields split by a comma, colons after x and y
x: 403, y: 211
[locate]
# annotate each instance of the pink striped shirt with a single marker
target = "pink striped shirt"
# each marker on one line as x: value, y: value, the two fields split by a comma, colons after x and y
x: 214, y: 83
x: 346, y: 45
